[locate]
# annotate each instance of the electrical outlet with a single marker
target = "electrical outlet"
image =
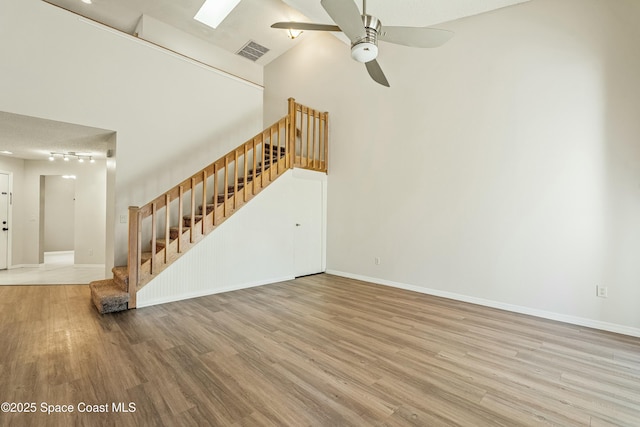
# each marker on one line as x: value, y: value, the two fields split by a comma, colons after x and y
x: 123, y: 219
x: 602, y: 291
x: 376, y: 260
x: 90, y: 252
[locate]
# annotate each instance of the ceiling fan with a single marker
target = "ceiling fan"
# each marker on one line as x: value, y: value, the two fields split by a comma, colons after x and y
x: 364, y: 31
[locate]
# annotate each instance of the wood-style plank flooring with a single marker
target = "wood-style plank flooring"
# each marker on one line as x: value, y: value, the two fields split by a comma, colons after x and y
x: 320, y: 350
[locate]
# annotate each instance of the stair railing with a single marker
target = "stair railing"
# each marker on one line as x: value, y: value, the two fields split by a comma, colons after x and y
x: 309, y: 137
x: 172, y: 223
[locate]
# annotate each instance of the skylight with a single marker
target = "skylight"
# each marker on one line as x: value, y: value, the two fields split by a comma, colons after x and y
x: 213, y: 12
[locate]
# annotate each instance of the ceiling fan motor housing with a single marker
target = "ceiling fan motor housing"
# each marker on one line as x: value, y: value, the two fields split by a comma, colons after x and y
x: 366, y: 49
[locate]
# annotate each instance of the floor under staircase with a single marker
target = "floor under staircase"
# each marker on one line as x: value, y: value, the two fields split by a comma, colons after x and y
x: 112, y: 295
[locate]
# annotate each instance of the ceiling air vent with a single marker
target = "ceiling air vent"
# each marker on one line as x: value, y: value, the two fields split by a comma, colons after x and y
x: 252, y: 51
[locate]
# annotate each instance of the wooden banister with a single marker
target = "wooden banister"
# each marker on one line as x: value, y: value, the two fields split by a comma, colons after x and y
x: 297, y: 140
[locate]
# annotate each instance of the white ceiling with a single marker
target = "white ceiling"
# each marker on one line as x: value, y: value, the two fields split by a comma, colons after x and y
x: 32, y: 138
x: 251, y: 19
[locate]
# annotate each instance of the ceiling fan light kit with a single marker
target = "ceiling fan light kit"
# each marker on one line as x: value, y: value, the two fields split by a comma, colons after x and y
x: 364, y: 52
x: 366, y: 49
x: 364, y: 30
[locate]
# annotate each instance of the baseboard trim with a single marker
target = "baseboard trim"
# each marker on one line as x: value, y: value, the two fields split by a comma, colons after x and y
x: 59, y: 252
x: 214, y: 291
x: 16, y: 266
x: 573, y: 320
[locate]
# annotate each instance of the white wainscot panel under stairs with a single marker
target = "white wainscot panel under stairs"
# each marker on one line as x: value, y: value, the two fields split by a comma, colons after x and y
x: 256, y: 246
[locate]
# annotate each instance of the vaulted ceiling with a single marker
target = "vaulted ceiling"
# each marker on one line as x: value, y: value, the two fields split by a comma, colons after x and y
x: 249, y: 20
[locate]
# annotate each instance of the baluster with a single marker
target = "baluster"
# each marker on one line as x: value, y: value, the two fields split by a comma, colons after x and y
x: 167, y: 227
x: 245, y: 184
x: 226, y: 184
x: 235, y: 179
x: 308, y: 133
x: 272, y: 167
x: 192, y: 227
x: 287, y: 145
x: 215, y: 193
x: 291, y: 132
x: 180, y: 217
x: 326, y: 142
x: 154, y: 209
x: 254, y: 181
x: 277, y: 130
x: 204, y: 201
x: 313, y: 145
x: 262, y: 174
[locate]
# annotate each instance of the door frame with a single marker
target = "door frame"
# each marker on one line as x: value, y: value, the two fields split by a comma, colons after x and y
x: 9, y: 217
x: 321, y: 178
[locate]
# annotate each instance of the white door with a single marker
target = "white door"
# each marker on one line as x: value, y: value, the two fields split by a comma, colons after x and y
x: 309, y: 232
x: 5, y: 200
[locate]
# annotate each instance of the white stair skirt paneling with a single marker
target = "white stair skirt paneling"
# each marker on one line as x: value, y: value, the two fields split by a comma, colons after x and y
x: 253, y: 247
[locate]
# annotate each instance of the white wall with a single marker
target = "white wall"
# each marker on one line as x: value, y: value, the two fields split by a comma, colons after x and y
x: 253, y: 247
x: 501, y: 168
x: 59, y: 213
x: 172, y: 116
x: 172, y: 38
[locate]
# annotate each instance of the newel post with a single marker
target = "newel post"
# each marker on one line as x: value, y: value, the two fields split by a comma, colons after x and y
x: 135, y: 249
x: 292, y: 132
x: 325, y: 135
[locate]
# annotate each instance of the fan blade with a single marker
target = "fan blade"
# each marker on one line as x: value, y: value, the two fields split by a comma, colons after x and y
x: 415, y: 36
x: 345, y: 13
x: 376, y: 73
x: 306, y: 26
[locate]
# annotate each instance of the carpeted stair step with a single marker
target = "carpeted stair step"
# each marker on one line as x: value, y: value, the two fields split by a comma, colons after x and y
x: 174, y: 232
x: 268, y: 148
x: 160, y: 244
x: 210, y: 206
x: 121, y: 277
x: 108, y: 297
x: 249, y: 178
x: 231, y: 189
x: 187, y: 220
x: 145, y: 256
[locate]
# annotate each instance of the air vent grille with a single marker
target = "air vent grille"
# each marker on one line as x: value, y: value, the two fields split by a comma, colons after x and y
x: 252, y: 51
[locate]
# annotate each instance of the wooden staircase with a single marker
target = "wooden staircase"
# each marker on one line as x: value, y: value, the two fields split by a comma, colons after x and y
x: 209, y: 197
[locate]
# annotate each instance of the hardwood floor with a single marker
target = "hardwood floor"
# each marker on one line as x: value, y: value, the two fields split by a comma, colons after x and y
x: 320, y: 350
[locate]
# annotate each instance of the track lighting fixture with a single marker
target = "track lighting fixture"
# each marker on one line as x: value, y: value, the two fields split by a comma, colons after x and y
x: 81, y: 157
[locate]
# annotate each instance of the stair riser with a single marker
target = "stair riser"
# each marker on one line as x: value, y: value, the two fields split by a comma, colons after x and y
x: 173, y: 232
x: 107, y: 297
x: 187, y: 220
x: 121, y: 277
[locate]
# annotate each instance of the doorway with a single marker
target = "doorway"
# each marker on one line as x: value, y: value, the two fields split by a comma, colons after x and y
x: 58, y: 195
x: 310, y: 223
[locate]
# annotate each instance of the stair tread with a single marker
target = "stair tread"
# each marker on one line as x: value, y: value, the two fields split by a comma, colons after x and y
x: 162, y: 243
